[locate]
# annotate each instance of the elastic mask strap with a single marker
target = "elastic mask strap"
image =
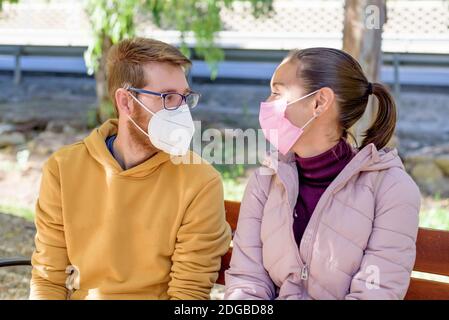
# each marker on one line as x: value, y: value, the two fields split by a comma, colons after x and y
x: 308, y: 122
x: 307, y: 95
x: 142, y: 105
x: 137, y: 126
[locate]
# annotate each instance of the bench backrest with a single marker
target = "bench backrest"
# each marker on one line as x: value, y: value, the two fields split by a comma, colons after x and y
x: 432, y: 256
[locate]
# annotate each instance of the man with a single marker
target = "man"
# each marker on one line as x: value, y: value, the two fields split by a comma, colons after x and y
x: 116, y: 217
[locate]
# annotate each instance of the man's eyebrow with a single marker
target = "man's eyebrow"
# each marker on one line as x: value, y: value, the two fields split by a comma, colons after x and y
x: 274, y: 84
x: 187, y: 90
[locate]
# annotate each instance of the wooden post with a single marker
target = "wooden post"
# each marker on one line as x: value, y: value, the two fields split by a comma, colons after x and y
x: 362, y: 38
x: 397, y: 80
x: 17, y: 68
x: 104, y: 105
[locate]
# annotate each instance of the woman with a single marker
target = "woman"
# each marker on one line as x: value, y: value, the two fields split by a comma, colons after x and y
x: 324, y: 220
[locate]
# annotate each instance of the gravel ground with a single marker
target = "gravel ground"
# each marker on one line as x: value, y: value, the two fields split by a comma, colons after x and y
x: 16, y: 240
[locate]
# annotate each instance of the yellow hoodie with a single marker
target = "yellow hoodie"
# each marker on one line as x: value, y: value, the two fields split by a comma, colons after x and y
x: 155, y: 231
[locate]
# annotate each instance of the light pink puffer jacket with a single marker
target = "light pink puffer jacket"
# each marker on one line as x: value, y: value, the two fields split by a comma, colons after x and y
x: 359, y: 243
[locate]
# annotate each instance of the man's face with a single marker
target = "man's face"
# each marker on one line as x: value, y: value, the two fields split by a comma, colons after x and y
x: 162, y: 78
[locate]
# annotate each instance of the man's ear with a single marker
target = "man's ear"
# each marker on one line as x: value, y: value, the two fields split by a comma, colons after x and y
x: 324, y: 99
x: 123, y: 101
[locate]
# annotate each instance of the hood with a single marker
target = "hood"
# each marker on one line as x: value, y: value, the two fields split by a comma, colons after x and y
x: 96, y: 146
x: 371, y: 159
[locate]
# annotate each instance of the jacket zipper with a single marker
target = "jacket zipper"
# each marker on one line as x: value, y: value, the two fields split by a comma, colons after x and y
x: 304, y: 268
x: 317, y: 215
x: 304, y: 273
x: 315, y: 218
x: 314, y: 227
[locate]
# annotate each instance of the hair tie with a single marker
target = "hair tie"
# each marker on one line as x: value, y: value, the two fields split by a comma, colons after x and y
x: 370, y: 88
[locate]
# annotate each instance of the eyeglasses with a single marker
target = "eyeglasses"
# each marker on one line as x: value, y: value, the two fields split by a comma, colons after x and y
x: 172, y: 100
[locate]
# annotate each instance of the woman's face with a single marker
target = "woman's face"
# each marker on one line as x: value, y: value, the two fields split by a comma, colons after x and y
x: 286, y: 85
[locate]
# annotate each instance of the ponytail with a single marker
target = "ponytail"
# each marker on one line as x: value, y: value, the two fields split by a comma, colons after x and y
x: 336, y: 69
x: 384, y: 125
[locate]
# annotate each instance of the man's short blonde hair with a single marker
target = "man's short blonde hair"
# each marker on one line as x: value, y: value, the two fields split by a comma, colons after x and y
x: 125, y: 62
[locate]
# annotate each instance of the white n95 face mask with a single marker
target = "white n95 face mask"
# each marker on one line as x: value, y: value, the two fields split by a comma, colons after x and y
x: 169, y: 130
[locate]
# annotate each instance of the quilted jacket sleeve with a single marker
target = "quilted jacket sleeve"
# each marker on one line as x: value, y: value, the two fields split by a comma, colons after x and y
x: 247, y: 277
x: 390, y: 254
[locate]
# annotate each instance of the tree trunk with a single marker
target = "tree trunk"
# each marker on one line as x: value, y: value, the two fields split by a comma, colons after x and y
x: 105, y: 109
x: 362, y: 38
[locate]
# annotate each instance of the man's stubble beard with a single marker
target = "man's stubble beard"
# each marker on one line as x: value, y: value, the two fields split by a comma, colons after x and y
x: 138, y: 139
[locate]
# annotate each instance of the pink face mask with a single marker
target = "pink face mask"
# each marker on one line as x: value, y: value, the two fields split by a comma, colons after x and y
x: 277, y: 129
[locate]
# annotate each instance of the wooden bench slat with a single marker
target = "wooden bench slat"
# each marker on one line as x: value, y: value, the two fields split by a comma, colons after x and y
x: 225, y: 261
x: 232, y: 209
x: 421, y: 289
x: 432, y: 251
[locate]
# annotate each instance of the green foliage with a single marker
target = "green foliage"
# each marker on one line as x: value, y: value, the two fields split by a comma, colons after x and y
x: 92, y: 121
x: 436, y: 215
x: 203, y: 19
x: 262, y: 7
x: 200, y: 17
x: 111, y: 20
x: 114, y: 19
x: 231, y: 172
x: 234, y: 180
x: 5, y: 1
x: 17, y: 210
x: 233, y: 189
x: 107, y: 109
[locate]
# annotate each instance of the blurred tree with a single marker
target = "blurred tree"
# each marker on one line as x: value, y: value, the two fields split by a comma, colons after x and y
x: 362, y: 38
x: 113, y: 20
x: 5, y: 1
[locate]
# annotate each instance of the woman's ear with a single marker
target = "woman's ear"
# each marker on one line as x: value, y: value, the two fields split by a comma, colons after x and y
x: 324, y: 99
x: 124, y: 101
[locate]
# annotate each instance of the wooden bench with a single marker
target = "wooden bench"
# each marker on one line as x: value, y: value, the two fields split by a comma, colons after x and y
x: 432, y: 256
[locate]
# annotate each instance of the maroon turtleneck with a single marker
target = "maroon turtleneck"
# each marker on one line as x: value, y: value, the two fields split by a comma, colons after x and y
x: 315, y: 175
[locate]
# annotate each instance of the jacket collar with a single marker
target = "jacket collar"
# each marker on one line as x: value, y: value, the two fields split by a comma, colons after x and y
x: 366, y: 159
